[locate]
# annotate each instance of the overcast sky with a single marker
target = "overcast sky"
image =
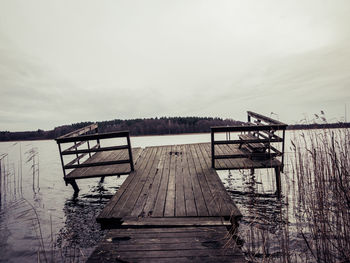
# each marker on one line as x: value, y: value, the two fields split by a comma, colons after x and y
x: 64, y: 61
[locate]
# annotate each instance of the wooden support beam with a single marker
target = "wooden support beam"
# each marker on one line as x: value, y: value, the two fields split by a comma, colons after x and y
x: 247, y: 128
x: 283, y: 136
x: 130, y: 153
x: 73, y: 166
x: 74, y: 147
x: 61, y: 157
x: 78, y: 132
x: 96, y: 148
x: 264, y: 118
x: 257, y: 140
x: 96, y: 136
x: 74, y: 184
x: 278, y: 181
x: 246, y: 155
x: 270, y: 136
x: 212, y: 149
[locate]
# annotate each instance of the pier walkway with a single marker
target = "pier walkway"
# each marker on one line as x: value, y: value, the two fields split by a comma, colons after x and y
x: 168, y: 182
x: 171, y: 208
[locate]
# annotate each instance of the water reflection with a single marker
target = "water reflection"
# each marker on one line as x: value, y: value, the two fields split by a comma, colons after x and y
x: 80, y: 233
x: 41, y: 218
x: 268, y: 227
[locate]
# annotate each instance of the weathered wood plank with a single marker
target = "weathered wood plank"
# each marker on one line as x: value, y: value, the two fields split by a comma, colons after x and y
x: 94, y: 149
x: 217, y: 187
x: 222, y: 162
x: 186, y: 244
x: 80, y: 131
x: 243, y: 163
x: 117, y: 155
x: 180, y: 206
x: 149, y: 207
x: 137, y: 211
x: 257, y: 146
x: 175, y: 221
x: 96, y: 136
x: 214, y: 185
x: 162, y: 192
x: 106, y: 213
x: 201, y: 206
x: 75, y: 146
x: 83, y: 165
x: 89, y: 172
x: 190, y: 203
x: 264, y: 118
x: 248, y: 128
x: 207, y: 195
x: 134, y: 190
x: 169, y: 209
x: 97, y: 157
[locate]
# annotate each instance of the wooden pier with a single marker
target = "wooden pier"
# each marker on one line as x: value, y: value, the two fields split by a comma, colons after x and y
x: 164, y: 244
x: 171, y: 182
x: 172, y: 207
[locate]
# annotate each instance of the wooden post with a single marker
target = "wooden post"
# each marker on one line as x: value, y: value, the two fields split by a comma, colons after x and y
x: 212, y: 150
x: 0, y: 183
x: 88, y: 143
x: 98, y: 140
x: 282, y: 167
x: 278, y: 181
x: 252, y: 171
x: 62, y: 163
x: 130, y: 153
x: 73, y: 183
x: 76, y: 148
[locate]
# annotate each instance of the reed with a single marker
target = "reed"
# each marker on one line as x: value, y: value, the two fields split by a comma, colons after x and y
x: 311, y: 223
x: 320, y: 166
x: 33, y: 158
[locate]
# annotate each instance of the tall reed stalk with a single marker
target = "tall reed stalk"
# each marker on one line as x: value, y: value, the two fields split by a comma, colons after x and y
x: 321, y: 166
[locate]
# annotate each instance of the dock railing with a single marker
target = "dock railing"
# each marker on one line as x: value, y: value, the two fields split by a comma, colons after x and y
x: 87, y: 136
x: 257, y: 137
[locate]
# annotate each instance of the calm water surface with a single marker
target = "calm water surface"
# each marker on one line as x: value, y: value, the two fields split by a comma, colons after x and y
x: 40, y: 218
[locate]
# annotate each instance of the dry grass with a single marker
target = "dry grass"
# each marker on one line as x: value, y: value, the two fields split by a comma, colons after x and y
x: 320, y: 168
x: 311, y: 223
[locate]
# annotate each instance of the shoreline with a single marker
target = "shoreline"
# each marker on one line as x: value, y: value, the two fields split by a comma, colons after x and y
x: 293, y: 127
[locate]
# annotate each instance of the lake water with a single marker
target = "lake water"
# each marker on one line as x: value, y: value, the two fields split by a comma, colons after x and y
x: 39, y: 216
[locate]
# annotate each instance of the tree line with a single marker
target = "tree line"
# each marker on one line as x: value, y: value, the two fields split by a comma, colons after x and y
x: 149, y: 126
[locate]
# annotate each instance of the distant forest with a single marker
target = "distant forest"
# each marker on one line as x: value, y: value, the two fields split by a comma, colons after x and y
x: 151, y: 126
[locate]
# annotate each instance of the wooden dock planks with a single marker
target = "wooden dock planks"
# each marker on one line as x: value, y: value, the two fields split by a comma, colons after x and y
x: 171, y: 181
x: 107, y: 170
x: 239, y: 163
x: 172, y: 208
x: 178, y: 244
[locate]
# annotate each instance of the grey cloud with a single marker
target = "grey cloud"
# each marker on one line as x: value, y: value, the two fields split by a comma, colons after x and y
x: 64, y: 61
